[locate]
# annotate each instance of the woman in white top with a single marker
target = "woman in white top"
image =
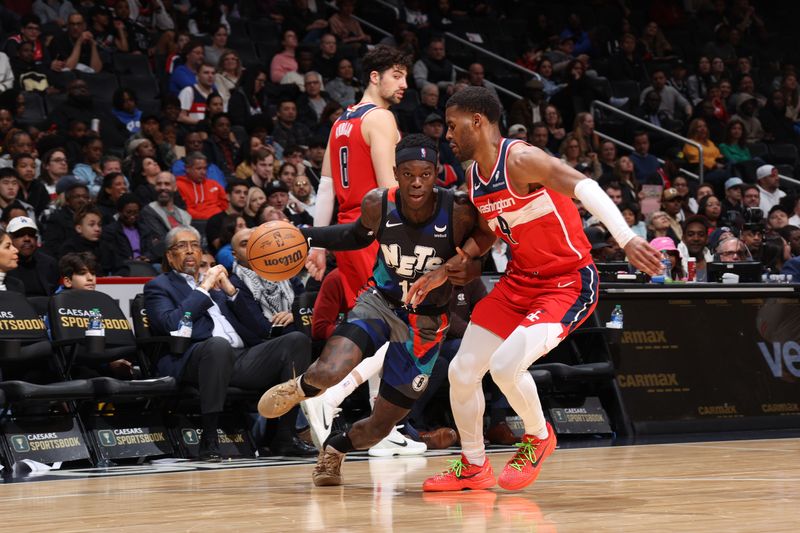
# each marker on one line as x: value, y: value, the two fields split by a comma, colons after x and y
x: 229, y: 72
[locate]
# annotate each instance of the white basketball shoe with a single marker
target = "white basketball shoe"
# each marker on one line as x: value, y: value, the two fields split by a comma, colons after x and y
x: 320, y: 417
x: 397, y: 444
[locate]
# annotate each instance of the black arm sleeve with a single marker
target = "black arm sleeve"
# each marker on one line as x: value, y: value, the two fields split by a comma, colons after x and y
x: 352, y: 236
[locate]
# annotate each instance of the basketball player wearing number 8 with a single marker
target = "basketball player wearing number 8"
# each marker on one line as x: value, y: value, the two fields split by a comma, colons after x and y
x: 548, y: 290
x: 358, y: 158
x: 418, y: 227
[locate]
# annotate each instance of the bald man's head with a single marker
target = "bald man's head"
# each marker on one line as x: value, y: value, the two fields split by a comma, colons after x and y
x: 239, y: 245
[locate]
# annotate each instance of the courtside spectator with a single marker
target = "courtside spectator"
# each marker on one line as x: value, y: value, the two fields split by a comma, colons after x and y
x: 9, y: 260
x: 227, y: 339
x: 695, y: 244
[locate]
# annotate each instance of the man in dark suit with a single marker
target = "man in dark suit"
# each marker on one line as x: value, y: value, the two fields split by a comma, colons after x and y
x: 228, y: 346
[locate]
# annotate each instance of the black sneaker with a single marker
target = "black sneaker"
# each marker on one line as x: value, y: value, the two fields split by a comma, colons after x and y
x: 209, y: 448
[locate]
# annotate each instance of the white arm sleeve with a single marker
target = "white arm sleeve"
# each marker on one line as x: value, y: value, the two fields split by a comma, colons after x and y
x: 323, y: 209
x: 597, y: 202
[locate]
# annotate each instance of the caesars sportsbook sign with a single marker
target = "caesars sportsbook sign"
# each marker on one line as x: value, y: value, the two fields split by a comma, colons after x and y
x: 709, y: 362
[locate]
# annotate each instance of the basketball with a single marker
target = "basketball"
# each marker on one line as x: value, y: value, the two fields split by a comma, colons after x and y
x: 276, y: 250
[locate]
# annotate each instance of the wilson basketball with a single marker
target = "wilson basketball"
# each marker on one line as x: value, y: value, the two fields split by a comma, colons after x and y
x: 276, y: 250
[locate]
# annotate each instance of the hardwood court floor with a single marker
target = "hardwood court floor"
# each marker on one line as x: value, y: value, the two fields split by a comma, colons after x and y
x: 697, y: 487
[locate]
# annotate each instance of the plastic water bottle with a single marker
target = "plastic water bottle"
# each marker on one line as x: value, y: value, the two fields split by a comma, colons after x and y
x: 95, y: 328
x: 185, y: 325
x: 667, y: 269
x: 616, y: 318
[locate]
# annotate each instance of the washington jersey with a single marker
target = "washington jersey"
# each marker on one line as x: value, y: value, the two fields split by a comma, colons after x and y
x: 351, y: 162
x: 543, y: 228
x: 408, y: 250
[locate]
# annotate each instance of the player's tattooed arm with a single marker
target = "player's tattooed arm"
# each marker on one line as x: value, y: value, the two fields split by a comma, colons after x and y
x: 352, y: 236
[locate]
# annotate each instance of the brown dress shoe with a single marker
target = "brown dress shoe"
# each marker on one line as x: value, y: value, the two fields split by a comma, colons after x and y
x: 439, y: 439
x: 500, y: 433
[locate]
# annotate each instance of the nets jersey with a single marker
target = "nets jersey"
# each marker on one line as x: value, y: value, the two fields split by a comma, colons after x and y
x: 351, y: 162
x: 408, y: 250
x: 543, y: 228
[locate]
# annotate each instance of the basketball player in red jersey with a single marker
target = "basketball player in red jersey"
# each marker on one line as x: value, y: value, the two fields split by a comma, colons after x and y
x: 548, y: 290
x: 359, y: 158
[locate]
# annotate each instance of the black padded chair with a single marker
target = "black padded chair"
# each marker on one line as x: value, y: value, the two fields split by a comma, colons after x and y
x: 136, y: 64
x: 144, y: 85
x: 69, y: 313
x: 35, y: 112
x: 785, y: 154
x: 101, y: 85
x: 28, y: 347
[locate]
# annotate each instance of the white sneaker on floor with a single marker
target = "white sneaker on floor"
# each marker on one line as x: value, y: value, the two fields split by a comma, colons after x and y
x: 397, y: 444
x: 320, y: 417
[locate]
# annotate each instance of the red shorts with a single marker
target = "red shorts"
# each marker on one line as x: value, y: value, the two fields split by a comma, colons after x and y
x: 356, y: 268
x: 520, y: 300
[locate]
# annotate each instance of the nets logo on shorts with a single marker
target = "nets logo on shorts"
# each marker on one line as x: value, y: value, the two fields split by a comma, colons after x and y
x: 419, y: 383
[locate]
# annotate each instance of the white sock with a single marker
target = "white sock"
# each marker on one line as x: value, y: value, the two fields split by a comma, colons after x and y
x: 368, y: 367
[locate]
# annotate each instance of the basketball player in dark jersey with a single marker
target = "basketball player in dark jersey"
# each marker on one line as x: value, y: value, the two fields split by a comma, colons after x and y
x: 418, y: 227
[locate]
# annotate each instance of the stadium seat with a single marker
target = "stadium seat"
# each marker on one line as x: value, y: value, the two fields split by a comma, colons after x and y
x: 264, y: 31
x: 35, y: 112
x: 27, y: 346
x: 144, y: 85
x: 137, y: 64
x: 53, y: 101
x: 101, y: 85
x: 783, y: 154
x: 759, y: 150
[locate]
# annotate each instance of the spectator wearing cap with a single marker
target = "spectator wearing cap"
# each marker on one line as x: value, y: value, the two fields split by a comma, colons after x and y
x: 777, y: 218
x: 236, y: 192
x: 434, y: 67
x: 695, y: 244
x: 530, y: 108
x: 599, y: 240
x: 429, y: 105
x: 9, y: 191
x: 733, y: 195
x: 667, y: 247
x: 278, y: 197
x: 58, y: 223
x: 450, y: 171
x: 518, y: 131
x: 768, y: 182
x: 204, y: 197
x: 37, y: 271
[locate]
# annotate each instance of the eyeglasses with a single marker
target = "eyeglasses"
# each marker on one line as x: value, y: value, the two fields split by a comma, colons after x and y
x: 733, y: 253
x: 184, y: 246
x: 58, y: 160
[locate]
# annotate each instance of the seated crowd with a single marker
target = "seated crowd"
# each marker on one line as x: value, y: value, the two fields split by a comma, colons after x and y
x: 163, y: 171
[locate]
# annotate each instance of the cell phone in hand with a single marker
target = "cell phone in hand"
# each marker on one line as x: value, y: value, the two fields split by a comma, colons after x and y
x: 275, y: 331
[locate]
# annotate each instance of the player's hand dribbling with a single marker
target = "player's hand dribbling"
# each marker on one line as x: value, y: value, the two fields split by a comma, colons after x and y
x: 455, y: 267
x: 315, y: 263
x: 643, y: 256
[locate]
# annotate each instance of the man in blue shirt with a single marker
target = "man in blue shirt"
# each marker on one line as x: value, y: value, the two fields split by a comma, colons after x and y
x: 185, y: 75
x: 645, y: 165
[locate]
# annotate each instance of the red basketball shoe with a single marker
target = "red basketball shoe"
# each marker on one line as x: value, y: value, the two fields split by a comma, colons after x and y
x: 524, y: 467
x: 461, y: 475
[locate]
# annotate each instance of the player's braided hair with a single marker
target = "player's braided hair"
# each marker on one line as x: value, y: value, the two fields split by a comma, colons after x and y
x: 477, y: 100
x: 417, y: 140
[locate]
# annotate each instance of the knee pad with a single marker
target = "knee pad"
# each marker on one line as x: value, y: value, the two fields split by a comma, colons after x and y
x: 522, y: 348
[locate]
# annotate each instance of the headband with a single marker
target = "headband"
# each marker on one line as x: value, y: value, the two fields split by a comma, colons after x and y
x: 416, y: 154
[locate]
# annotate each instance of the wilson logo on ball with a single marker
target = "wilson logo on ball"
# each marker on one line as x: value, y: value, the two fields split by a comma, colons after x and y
x: 285, y: 260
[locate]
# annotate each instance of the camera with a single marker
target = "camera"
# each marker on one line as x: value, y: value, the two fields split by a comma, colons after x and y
x: 754, y: 219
